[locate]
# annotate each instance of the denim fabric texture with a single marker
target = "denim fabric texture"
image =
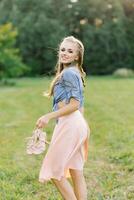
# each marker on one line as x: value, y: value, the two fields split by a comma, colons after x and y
x: 69, y: 85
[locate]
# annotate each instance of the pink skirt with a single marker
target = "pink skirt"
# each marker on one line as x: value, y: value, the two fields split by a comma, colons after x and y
x: 68, y: 148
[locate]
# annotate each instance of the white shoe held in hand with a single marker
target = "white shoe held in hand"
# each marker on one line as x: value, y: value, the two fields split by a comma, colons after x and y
x: 37, y: 143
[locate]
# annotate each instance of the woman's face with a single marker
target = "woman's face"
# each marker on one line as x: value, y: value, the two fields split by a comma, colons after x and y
x: 68, y: 52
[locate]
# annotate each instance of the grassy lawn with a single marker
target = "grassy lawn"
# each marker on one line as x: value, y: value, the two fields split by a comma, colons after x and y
x: 109, y: 110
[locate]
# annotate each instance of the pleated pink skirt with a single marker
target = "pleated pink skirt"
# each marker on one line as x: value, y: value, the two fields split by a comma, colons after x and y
x: 68, y: 148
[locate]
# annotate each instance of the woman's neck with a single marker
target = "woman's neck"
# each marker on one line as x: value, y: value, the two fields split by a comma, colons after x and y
x: 73, y: 64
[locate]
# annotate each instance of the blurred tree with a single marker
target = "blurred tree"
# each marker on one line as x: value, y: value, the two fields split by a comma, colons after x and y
x: 106, y: 34
x: 128, y: 6
x: 39, y: 32
x: 10, y: 62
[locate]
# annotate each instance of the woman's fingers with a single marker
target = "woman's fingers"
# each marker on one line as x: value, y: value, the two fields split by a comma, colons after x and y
x: 39, y: 126
x: 41, y: 122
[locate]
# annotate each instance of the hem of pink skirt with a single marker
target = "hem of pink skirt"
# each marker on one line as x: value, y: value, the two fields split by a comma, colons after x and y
x: 44, y: 180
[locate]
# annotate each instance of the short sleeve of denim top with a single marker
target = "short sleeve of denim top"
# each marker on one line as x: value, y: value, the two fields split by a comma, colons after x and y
x: 69, y: 85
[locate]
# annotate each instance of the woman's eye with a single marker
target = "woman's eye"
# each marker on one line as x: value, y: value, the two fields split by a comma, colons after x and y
x: 62, y: 49
x: 70, y: 51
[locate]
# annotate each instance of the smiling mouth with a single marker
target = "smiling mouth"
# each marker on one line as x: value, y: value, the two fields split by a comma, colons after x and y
x: 64, y: 58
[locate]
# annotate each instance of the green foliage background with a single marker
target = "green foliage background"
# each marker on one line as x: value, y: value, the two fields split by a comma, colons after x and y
x: 105, y: 27
x: 10, y: 61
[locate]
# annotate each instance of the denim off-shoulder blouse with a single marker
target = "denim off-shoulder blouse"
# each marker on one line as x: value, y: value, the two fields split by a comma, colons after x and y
x: 69, y: 85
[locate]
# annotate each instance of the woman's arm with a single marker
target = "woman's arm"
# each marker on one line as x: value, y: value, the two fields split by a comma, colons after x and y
x: 67, y: 109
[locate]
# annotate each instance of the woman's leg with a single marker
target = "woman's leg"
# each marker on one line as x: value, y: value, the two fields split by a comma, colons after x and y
x: 65, y: 189
x: 80, y: 187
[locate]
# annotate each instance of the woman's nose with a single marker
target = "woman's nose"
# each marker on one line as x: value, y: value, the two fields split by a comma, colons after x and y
x: 64, y: 53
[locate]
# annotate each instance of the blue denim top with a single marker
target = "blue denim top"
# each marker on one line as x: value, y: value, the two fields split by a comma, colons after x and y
x: 69, y: 85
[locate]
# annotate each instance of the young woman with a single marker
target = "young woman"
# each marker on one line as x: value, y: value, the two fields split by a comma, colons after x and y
x: 68, y: 149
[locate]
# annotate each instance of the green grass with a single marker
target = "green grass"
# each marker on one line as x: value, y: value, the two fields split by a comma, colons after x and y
x: 109, y: 110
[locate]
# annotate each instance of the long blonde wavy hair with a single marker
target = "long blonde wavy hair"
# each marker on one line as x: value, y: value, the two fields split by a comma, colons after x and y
x: 59, y: 66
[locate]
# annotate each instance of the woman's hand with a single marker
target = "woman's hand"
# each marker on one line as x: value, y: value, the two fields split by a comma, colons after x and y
x: 43, y: 121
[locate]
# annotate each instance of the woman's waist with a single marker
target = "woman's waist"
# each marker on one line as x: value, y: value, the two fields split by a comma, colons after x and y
x: 75, y: 119
x: 74, y: 115
x: 63, y: 103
